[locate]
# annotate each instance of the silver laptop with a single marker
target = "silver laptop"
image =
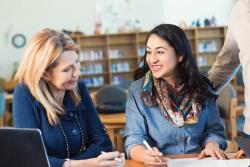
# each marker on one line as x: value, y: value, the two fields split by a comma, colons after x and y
x: 22, y: 148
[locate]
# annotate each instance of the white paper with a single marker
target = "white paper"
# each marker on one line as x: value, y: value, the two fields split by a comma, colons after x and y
x: 208, y: 162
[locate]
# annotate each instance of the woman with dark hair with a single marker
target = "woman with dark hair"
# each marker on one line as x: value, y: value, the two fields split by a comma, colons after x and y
x: 171, y: 105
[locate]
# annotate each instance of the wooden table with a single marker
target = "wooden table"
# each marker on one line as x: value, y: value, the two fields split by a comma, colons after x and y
x: 113, y: 122
x: 132, y: 163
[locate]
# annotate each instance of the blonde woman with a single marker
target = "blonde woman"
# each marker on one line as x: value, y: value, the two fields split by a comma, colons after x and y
x: 50, y: 97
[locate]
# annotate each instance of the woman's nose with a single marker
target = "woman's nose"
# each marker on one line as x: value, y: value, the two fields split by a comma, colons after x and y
x: 76, y: 71
x: 153, y: 58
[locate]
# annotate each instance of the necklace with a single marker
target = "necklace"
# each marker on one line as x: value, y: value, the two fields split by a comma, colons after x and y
x: 83, y: 146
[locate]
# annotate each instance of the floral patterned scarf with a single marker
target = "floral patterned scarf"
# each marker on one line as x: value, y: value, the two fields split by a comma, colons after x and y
x: 186, y: 112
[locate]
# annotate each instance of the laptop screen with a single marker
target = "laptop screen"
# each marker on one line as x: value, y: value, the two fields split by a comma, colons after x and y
x: 22, y: 148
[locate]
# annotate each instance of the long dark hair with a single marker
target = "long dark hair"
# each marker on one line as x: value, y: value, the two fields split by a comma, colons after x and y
x: 188, y: 75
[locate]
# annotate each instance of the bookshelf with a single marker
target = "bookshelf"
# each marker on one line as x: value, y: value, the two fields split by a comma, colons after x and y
x: 122, y: 57
x: 209, y: 42
x: 112, y: 58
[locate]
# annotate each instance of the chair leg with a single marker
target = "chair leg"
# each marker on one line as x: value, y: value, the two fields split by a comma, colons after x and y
x: 233, y: 121
x: 120, y: 142
x: 111, y: 133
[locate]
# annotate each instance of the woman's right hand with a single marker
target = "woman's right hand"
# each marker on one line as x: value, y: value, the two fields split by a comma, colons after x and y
x: 155, y: 158
x: 107, y: 159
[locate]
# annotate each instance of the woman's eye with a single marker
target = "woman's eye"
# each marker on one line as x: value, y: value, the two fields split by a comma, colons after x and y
x: 148, y: 52
x: 160, y: 52
x: 66, y: 69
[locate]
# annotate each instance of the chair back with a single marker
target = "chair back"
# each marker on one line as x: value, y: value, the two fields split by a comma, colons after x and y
x: 111, y: 99
x: 224, y: 99
x: 125, y: 84
x: 227, y: 104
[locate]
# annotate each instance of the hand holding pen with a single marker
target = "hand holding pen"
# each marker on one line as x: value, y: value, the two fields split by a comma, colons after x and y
x: 154, y: 156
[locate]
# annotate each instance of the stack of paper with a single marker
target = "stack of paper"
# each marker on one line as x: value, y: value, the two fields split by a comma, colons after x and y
x: 208, y: 162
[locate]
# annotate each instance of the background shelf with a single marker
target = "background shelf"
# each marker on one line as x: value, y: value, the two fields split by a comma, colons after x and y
x: 112, y: 58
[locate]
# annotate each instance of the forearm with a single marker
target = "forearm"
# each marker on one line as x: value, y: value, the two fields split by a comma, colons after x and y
x: 138, y: 152
x: 94, y: 150
x: 80, y: 163
x: 221, y: 74
x: 226, y: 64
x: 86, y: 154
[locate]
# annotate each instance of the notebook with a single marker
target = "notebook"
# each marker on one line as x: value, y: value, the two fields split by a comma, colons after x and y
x: 22, y: 148
x: 208, y: 162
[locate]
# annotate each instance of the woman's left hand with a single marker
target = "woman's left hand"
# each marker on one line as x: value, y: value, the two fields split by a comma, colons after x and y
x: 239, y: 154
x: 212, y: 149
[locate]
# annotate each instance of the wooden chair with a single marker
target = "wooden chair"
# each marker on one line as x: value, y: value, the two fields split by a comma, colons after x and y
x: 229, y: 110
x: 110, y: 103
x: 235, y: 111
x: 119, y: 142
x: 114, y: 123
x: 110, y: 100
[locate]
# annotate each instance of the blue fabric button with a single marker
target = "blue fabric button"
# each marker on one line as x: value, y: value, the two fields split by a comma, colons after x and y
x: 75, y: 132
x: 71, y: 114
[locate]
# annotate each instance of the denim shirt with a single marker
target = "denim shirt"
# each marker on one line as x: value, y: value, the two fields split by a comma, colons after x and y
x: 29, y: 113
x: 143, y: 122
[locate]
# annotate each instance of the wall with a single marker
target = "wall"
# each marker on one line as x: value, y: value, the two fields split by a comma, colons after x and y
x: 189, y: 10
x: 149, y: 12
x: 29, y: 16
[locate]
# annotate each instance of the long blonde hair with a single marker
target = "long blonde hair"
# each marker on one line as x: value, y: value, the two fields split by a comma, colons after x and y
x: 41, y: 53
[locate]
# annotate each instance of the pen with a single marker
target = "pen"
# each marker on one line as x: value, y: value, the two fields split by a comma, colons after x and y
x: 116, y: 159
x: 150, y: 148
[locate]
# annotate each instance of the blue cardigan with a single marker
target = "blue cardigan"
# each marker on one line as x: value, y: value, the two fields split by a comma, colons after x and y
x: 29, y: 113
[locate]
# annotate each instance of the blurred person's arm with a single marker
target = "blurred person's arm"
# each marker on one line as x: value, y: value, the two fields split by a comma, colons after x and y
x: 226, y: 65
